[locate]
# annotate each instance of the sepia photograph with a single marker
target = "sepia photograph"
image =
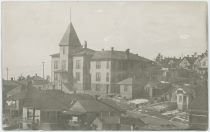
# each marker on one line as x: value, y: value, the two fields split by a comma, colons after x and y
x: 104, y: 66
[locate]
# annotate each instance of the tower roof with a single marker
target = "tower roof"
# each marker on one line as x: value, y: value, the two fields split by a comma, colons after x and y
x: 70, y: 37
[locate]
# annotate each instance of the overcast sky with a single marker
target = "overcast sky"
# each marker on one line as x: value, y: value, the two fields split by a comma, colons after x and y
x: 32, y: 31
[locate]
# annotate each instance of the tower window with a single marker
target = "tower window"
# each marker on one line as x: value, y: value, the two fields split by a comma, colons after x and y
x: 77, y: 64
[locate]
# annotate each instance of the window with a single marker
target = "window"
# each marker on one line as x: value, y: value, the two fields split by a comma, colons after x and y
x: 180, y: 99
x: 107, y: 88
x: 64, y: 50
x: 107, y: 77
x: 98, y: 64
x: 107, y: 65
x: 97, y: 87
x: 125, y: 88
x: 74, y: 119
x: 55, y: 77
x: 184, y: 99
x: 28, y: 114
x: 55, y: 64
x: 63, y: 64
x: 77, y: 76
x: 77, y: 64
x: 98, y: 76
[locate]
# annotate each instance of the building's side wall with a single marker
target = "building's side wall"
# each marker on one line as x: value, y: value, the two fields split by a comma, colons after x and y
x: 138, y: 89
x: 27, y: 120
x: 122, y: 69
x: 86, y: 73
x: 78, y: 85
x: 64, y: 54
x: 126, y: 91
x: 103, y: 84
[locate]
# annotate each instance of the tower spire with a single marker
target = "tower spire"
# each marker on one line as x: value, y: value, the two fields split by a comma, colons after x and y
x: 70, y: 15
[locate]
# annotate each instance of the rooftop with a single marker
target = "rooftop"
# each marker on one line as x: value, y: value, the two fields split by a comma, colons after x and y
x: 84, y: 51
x: 117, y: 55
x: 48, y: 99
x: 55, y: 55
x: 95, y: 106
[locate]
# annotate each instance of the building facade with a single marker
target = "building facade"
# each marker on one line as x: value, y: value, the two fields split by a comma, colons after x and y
x: 110, y: 67
x: 81, y: 69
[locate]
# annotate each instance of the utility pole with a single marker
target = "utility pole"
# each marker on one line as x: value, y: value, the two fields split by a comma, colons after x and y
x: 43, y: 68
x: 7, y: 73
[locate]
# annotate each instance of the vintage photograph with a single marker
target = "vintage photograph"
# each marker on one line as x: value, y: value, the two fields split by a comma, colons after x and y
x: 104, y: 65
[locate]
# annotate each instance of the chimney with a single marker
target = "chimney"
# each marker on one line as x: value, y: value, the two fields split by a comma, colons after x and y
x: 187, y: 55
x: 112, y: 48
x: 36, y: 75
x: 102, y: 49
x: 127, y: 51
x: 11, y: 78
x: 85, y: 45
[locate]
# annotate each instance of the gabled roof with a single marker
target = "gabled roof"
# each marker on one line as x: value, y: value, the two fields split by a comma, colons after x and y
x: 117, y: 55
x: 70, y: 37
x: 191, y: 60
x: 14, y: 91
x: 8, y: 85
x: 126, y: 81
x: 94, y: 106
x: 48, y: 99
x: 55, y: 55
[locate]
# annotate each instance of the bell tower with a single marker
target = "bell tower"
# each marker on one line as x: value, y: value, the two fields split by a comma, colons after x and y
x: 69, y: 44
